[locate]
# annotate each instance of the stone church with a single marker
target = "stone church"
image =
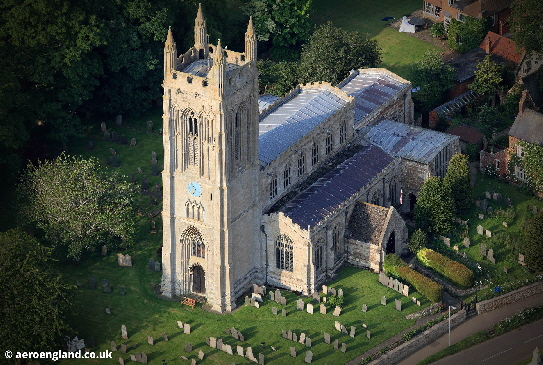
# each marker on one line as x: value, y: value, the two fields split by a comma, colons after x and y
x: 282, y: 191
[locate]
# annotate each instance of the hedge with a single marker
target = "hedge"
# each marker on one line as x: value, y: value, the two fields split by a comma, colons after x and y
x: 391, y: 263
x: 427, y: 287
x: 454, y: 271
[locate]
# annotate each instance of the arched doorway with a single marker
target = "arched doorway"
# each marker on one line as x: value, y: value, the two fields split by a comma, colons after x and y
x: 391, y: 243
x: 198, y: 279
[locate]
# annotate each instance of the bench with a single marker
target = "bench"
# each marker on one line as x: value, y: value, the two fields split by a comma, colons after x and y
x: 189, y: 302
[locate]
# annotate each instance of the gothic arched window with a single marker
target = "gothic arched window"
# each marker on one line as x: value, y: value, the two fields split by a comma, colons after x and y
x: 192, y: 236
x: 318, y: 253
x: 284, y: 253
x: 192, y: 140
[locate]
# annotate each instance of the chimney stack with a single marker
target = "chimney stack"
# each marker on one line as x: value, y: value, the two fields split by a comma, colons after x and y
x: 487, y: 45
x: 522, y: 102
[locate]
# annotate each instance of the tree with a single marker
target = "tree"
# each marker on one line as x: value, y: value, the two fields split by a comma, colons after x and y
x: 533, y: 241
x: 284, y: 24
x: 467, y: 35
x: 34, y: 302
x: 435, y: 207
x: 332, y: 52
x: 418, y: 241
x: 488, y: 78
x: 276, y: 78
x: 458, y: 181
x: 434, y: 77
x: 526, y: 18
x: 77, y: 205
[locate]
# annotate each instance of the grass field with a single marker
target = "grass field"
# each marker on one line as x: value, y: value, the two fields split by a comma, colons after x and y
x: 399, y: 50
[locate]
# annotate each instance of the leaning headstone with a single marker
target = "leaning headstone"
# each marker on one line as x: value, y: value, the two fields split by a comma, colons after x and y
x: 364, y: 308
x: 353, y: 331
x: 337, y: 325
x: 326, y: 338
x: 368, y: 334
x: 113, y: 346
x: 307, y: 342
x: 186, y: 328
x: 308, y: 357
x: 293, y: 351
x: 119, y: 119
x: 234, y: 332
x: 383, y: 300
x: 480, y: 230
x: 398, y: 305
x: 249, y: 354
x: 124, y: 334
x: 467, y: 242
x: 488, y: 233
x: 309, y: 308
x: 241, y: 338
x: 274, y: 310
x: 333, y: 291
x: 284, y: 312
x: 213, y: 342
x: 336, y: 344
x: 337, y: 311
x: 322, y: 309
x: 340, y: 292
x: 302, y: 338
x: 344, y: 330
x: 92, y: 283
x: 150, y: 340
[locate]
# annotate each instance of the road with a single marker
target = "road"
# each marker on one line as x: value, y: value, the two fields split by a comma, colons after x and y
x: 506, y: 349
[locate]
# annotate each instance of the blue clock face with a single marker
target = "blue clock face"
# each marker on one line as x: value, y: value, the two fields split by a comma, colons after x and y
x: 195, y: 189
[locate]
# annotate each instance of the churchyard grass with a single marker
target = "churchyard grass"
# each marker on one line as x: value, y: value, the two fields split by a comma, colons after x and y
x: 399, y: 51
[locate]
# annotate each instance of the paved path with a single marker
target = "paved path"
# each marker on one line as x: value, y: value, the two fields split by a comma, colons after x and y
x: 506, y: 349
x: 473, y: 325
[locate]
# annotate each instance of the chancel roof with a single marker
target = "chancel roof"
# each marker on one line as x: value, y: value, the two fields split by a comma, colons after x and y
x: 413, y: 143
x: 371, y: 89
x: 339, y: 185
x: 294, y: 119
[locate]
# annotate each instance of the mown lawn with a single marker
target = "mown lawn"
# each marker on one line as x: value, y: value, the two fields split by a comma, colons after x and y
x: 399, y: 51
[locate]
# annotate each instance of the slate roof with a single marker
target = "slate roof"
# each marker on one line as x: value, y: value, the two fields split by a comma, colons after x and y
x: 370, y: 88
x: 409, y: 142
x: 367, y: 222
x: 466, y: 133
x: 323, y: 197
x: 528, y: 127
x: 265, y: 101
x: 294, y: 119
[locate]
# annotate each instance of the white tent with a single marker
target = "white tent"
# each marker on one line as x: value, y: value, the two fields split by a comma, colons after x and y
x: 406, y: 27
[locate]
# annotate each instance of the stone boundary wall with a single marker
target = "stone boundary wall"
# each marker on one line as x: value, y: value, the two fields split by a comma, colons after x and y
x: 418, y: 342
x: 511, y: 297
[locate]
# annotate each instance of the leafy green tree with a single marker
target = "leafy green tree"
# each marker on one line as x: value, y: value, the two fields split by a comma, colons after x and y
x: 332, y: 52
x: 526, y: 19
x: 434, y: 77
x: 533, y: 241
x: 77, y: 205
x: 418, y: 241
x: 488, y: 78
x: 467, y: 35
x: 458, y: 181
x: 435, y: 207
x: 34, y: 302
x: 284, y: 24
x: 532, y: 163
x: 276, y: 78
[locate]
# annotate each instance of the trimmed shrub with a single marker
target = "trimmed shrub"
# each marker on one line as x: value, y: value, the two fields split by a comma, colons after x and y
x: 454, y: 271
x: 391, y: 263
x: 427, y: 287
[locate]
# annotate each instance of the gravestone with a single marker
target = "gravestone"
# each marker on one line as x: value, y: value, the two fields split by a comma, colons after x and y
x: 123, y: 348
x: 91, y: 145
x: 289, y: 335
x: 278, y: 296
x: 309, y: 308
x: 201, y: 355
x: 186, y: 328
x: 307, y: 342
x: 133, y: 358
x: 405, y: 291
x: 114, y: 137
x: 337, y: 311
x: 293, y: 351
x: 488, y: 195
x: 325, y: 289
x: 418, y: 302
x: 107, y: 136
x: 509, y: 202
x: 340, y: 292
x: 249, y: 354
x: 92, y: 283
x: 219, y: 343
x: 144, y: 184
x: 153, y: 157
x: 103, y: 127
x: 344, y: 330
x: 123, y: 290
x: 152, y: 229
x: 364, y: 308
x: 241, y: 338
x: 272, y: 296
x: 104, y: 250
x: 108, y: 311
x: 343, y: 347
x: 256, y: 304
x: 240, y: 350
x: 122, y: 139
x: 119, y: 119
x: 534, y: 209
x: 336, y: 344
x: 478, y: 203
x: 260, y: 358
x: 154, y: 169
x: 151, y: 265
x: 234, y: 332
x: 316, y: 297
x: 149, y: 126
x: 115, y: 161
x: 150, y: 340
x: 466, y: 242
x: 446, y: 241
x: 165, y: 336
x: 274, y: 310
x: 490, y: 256
x: 353, y: 331
x: 284, y: 312
x: 283, y: 301
x: 124, y: 260
x: 521, y: 259
x: 133, y: 142
x: 121, y: 361
x: 368, y: 334
x: 481, y: 216
x: 106, y: 286
x: 247, y: 300
x: 455, y: 248
x: 322, y: 309
x: 504, y: 224
x: 480, y: 229
x: 213, y: 342
x: 302, y: 338
x: 144, y: 358
x: 124, y: 334
x: 326, y: 338
x: 398, y: 305
x: 333, y: 291
x: 308, y: 357
x: 284, y: 334
x: 484, y: 204
x: 294, y: 337
x: 113, y: 346
x: 138, y: 357
x: 383, y: 300
x: 257, y: 297
x: 505, y: 270
x: 488, y: 233
x: 337, y: 325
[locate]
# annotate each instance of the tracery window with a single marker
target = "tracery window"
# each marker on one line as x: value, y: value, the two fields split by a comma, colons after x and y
x: 342, y: 133
x: 192, y: 236
x: 329, y: 144
x: 286, y: 176
x: 284, y: 253
x: 315, y: 154
x: 273, y: 187
x: 336, y: 241
x: 301, y: 165
x: 318, y: 255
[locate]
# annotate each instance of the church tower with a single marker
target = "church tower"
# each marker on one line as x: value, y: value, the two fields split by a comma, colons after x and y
x: 211, y: 213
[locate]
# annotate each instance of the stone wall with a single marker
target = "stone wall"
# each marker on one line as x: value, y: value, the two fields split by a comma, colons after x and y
x: 511, y: 297
x: 418, y: 342
x: 364, y: 255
